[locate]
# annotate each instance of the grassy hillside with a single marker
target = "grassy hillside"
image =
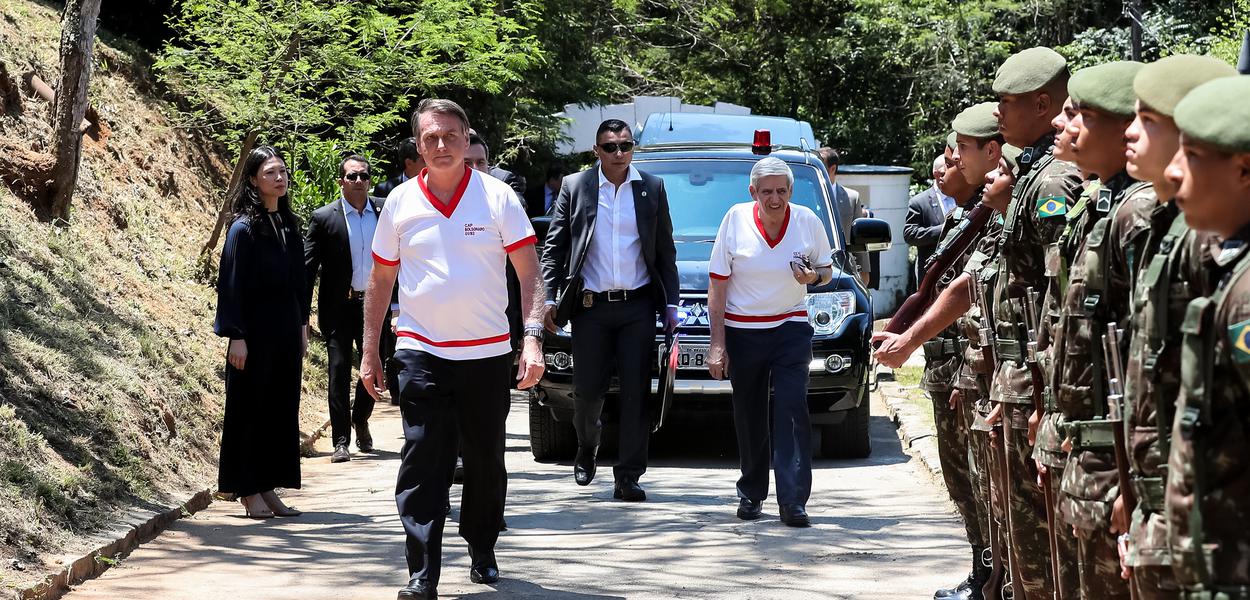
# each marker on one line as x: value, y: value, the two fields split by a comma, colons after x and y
x: 110, y: 376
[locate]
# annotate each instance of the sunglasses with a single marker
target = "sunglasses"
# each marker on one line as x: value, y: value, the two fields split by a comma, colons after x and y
x: 364, y: 175
x: 612, y: 147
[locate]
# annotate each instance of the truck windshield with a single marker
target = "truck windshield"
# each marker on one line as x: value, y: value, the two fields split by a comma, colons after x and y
x: 700, y: 192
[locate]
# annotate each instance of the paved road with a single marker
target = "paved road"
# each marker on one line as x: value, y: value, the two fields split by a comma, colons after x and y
x: 882, y: 529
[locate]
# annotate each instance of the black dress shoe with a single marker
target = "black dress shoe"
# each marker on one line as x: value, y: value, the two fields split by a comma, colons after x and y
x: 584, y: 465
x: 364, y: 439
x: 484, y: 574
x: 749, y: 510
x: 629, y: 491
x: 418, y: 590
x: 795, y: 516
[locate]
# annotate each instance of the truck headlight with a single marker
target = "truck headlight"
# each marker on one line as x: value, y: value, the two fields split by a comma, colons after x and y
x: 826, y: 311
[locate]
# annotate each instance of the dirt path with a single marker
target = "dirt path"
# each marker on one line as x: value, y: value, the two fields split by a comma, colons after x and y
x: 882, y: 529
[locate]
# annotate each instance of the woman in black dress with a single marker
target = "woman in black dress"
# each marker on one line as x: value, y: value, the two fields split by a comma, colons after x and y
x: 262, y: 307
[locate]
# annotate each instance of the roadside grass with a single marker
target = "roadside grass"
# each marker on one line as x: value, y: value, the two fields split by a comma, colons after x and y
x: 907, y: 385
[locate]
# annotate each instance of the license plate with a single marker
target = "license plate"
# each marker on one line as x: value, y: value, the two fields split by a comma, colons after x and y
x: 691, y: 357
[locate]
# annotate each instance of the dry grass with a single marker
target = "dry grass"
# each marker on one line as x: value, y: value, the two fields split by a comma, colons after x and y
x: 110, y: 376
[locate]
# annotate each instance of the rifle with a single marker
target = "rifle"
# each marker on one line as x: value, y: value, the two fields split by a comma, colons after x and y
x: 998, y: 586
x: 946, y: 254
x: 1115, y: 416
x: 1039, y: 382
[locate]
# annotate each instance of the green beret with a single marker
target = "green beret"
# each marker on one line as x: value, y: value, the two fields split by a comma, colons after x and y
x: 1028, y: 71
x: 950, y: 141
x: 1218, y: 114
x: 1106, y: 87
x: 1162, y: 84
x: 977, y: 121
x: 1011, y: 154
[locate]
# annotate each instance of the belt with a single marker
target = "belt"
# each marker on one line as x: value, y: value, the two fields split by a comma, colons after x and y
x: 1149, y: 493
x: 354, y: 295
x: 1220, y: 592
x: 940, y: 348
x: 1009, y: 349
x: 1091, y: 435
x: 622, y: 295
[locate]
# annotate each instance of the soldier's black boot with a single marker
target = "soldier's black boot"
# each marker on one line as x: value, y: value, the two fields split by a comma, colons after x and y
x: 969, y: 588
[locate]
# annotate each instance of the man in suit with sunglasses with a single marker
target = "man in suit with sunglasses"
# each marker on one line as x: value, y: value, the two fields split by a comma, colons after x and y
x: 610, y: 256
x: 338, y: 244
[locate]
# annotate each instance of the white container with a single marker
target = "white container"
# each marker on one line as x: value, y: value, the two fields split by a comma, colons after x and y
x: 885, y: 190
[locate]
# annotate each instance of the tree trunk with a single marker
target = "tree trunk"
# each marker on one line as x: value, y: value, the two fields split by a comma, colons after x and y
x: 78, y: 25
x: 236, y: 179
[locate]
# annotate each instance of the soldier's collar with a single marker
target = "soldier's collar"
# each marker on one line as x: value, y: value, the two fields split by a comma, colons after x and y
x: 1234, y: 247
x: 1042, y: 147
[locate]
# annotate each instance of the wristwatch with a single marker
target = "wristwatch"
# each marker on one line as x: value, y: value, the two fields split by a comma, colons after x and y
x: 535, y: 330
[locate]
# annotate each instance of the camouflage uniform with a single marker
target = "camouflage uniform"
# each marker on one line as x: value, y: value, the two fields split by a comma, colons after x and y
x: 1097, y: 293
x: 942, y: 364
x: 1167, y: 265
x: 1208, y: 472
x: 1042, y: 182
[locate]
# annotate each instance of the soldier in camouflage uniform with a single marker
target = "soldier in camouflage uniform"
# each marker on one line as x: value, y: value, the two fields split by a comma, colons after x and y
x: 1166, y: 268
x: 1108, y: 237
x: 1031, y: 86
x: 1207, y: 498
x: 978, y: 150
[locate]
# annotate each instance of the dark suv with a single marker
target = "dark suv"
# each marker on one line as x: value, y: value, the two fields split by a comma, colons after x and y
x: 705, y: 161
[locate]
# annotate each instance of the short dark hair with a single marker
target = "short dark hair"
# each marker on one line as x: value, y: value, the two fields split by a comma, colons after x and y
x: 998, y: 138
x: 352, y: 158
x: 613, y: 125
x: 408, y: 150
x: 441, y: 106
x: 476, y: 140
x: 829, y: 156
x: 555, y: 171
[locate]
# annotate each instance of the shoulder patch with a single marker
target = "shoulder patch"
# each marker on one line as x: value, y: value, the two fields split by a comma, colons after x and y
x: 1052, y: 206
x: 1239, y: 335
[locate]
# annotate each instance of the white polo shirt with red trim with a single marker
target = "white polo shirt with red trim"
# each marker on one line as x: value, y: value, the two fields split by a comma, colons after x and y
x: 762, y: 292
x: 451, y: 257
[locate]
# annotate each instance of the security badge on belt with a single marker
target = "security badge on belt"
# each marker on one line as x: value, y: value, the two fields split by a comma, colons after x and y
x: 588, y: 298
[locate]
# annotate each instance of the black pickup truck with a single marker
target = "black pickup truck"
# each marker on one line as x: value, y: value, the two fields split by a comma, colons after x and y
x: 705, y: 161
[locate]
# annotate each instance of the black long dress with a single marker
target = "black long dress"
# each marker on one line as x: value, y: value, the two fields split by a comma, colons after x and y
x: 261, y: 299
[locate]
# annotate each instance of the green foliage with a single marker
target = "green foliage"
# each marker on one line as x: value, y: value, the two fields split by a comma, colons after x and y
x: 322, y: 71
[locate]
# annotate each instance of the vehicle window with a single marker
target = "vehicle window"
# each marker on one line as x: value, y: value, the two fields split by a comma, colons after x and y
x: 700, y: 192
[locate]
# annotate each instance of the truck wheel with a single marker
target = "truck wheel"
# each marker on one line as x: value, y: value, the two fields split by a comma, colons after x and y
x: 848, y: 439
x: 549, y: 438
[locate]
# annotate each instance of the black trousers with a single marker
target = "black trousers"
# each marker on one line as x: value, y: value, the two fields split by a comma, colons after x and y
x: 344, y: 345
x: 449, y: 405
x: 776, y: 358
x: 620, y: 335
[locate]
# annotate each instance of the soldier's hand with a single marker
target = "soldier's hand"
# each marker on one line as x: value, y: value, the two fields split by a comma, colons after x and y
x: 893, y: 351
x: 1121, y: 545
x: 956, y: 397
x: 1119, y: 516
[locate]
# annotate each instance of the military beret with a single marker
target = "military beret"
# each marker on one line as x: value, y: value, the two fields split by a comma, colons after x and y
x: 1217, y: 113
x: 977, y: 121
x: 1011, y: 154
x: 1028, y: 71
x: 1107, y: 87
x: 950, y: 141
x: 1162, y: 84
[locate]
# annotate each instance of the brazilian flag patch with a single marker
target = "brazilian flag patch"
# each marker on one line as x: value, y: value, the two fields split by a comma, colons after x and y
x: 1052, y: 206
x: 1239, y: 335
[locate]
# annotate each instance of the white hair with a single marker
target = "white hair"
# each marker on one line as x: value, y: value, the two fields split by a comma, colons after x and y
x: 939, y: 163
x: 770, y: 166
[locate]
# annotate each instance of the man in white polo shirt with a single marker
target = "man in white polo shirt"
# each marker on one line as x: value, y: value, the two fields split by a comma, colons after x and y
x: 766, y: 254
x: 447, y: 235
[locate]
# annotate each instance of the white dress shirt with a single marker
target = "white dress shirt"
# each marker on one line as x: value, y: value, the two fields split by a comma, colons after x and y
x: 360, y: 228
x: 948, y: 202
x: 614, y: 259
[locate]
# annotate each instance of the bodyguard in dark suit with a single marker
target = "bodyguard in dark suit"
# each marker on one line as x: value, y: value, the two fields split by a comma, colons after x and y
x: 610, y: 261
x: 926, y: 214
x: 340, y: 235
x: 411, y: 162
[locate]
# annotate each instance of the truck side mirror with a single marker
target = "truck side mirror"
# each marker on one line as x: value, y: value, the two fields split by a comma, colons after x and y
x: 869, y: 235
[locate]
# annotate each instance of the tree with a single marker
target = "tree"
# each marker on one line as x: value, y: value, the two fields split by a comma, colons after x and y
x: 294, y: 72
x: 78, y: 25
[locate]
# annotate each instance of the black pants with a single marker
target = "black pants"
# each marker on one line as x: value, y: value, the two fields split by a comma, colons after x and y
x: 779, y: 358
x: 450, y: 404
x: 344, y: 346
x: 621, y: 335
